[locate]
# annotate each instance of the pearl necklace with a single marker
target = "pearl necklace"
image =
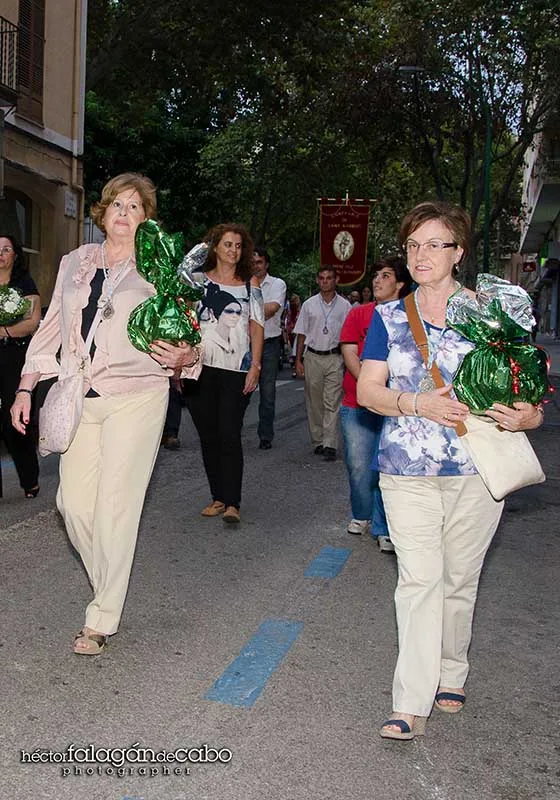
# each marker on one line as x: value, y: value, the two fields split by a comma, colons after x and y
x: 111, y: 281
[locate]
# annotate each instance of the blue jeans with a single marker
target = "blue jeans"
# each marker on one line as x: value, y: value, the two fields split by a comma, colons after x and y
x: 361, y: 431
x: 267, y: 387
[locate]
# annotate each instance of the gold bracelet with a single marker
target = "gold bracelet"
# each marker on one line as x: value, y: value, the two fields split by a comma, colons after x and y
x: 398, y: 406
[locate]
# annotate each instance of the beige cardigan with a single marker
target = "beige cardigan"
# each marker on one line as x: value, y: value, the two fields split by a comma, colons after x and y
x: 118, y: 367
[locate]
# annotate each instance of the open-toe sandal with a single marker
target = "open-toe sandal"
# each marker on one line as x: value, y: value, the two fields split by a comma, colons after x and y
x: 406, y: 730
x: 453, y: 696
x: 94, y: 643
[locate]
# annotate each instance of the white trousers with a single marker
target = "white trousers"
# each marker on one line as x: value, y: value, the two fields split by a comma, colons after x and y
x: 104, y: 476
x: 441, y: 528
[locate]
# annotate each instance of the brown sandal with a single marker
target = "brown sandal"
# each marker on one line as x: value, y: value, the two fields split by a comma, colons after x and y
x: 94, y: 643
x: 231, y: 515
x: 215, y: 508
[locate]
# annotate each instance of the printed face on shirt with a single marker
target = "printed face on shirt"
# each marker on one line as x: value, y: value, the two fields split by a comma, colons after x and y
x: 231, y: 314
x: 229, y: 248
x: 124, y: 215
x: 385, y: 285
x: 327, y: 280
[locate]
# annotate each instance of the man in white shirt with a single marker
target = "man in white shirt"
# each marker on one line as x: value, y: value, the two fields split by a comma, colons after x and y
x: 274, y: 295
x: 318, y: 330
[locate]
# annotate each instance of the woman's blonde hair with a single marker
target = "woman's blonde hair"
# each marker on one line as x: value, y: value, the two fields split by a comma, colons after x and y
x: 120, y: 183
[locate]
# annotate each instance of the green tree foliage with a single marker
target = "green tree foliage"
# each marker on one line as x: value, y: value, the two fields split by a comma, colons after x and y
x: 252, y: 111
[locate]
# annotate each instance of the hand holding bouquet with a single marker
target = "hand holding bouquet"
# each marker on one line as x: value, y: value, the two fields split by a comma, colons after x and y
x: 13, y: 306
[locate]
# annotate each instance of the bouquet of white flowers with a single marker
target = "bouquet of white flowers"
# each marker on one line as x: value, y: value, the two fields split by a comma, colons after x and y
x: 13, y: 306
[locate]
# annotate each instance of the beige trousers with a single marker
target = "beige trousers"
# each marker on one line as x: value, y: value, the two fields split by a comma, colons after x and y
x: 441, y: 529
x: 323, y: 393
x: 103, y: 480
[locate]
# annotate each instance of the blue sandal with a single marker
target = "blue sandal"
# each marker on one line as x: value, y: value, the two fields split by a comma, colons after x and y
x: 405, y: 731
x: 457, y: 698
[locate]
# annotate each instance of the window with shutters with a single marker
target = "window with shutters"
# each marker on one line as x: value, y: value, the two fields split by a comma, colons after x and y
x: 31, y: 47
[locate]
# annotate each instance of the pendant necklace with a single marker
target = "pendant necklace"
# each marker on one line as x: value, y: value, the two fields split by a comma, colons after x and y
x: 427, y: 383
x: 106, y: 300
x: 326, y: 315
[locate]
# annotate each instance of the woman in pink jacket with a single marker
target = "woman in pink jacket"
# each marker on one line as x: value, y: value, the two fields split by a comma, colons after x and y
x: 106, y: 470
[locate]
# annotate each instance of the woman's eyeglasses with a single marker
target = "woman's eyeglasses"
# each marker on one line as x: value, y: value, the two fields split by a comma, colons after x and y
x: 5, y: 251
x: 431, y: 246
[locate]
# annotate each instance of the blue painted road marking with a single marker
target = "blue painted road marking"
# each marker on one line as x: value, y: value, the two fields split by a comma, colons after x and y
x: 7, y: 463
x: 328, y: 563
x: 245, y: 678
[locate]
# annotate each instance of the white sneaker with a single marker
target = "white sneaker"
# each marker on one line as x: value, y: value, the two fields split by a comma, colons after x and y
x: 358, y: 526
x: 385, y: 544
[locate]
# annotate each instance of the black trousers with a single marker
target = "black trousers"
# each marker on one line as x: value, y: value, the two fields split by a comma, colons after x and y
x: 22, y: 448
x: 267, y: 387
x: 173, y: 417
x: 217, y: 406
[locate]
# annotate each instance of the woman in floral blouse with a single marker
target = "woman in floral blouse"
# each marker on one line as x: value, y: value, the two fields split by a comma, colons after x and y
x: 441, y: 516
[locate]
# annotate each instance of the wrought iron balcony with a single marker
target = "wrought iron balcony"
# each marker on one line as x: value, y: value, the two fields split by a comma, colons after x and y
x: 8, y: 62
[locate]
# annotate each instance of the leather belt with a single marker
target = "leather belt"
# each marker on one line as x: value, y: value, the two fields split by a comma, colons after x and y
x: 334, y: 351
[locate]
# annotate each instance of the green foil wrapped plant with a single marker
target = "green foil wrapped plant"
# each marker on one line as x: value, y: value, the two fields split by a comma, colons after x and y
x: 167, y: 315
x: 502, y: 368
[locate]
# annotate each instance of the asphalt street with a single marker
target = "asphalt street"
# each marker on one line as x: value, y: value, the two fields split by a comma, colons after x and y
x: 202, y: 591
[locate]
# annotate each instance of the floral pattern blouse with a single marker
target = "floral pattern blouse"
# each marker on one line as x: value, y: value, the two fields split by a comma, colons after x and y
x: 415, y: 446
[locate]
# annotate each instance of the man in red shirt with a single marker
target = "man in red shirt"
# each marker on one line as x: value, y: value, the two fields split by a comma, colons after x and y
x: 361, y: 428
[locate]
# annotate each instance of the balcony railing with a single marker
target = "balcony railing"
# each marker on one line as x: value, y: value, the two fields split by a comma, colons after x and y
x: 8, y: 61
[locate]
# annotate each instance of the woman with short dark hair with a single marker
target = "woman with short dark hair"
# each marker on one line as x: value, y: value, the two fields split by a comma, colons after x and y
x: 441, y: 515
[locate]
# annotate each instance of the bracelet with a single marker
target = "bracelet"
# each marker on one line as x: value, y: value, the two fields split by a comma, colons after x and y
x: 256, y: 364
x: 8, y: 336
x: 197, y: 359
x: 27, y: 391
x: 415, y: 404
x: 398, y: 406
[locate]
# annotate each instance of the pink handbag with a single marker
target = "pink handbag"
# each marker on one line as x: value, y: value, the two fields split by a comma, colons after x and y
x: 60, y: 415
x: 62, y: 410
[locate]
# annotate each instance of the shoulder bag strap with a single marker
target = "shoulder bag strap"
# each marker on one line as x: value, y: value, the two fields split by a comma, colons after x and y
x: 419, y: 334
x: 97, y: 317
x: 91, y: 332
